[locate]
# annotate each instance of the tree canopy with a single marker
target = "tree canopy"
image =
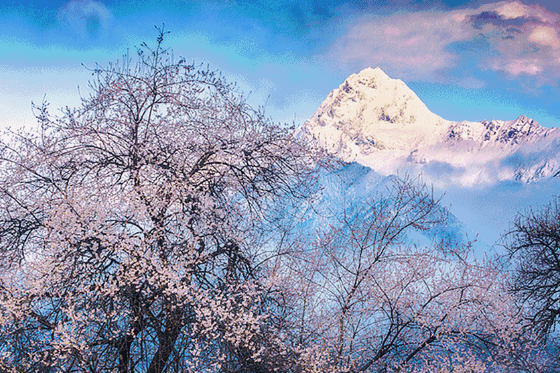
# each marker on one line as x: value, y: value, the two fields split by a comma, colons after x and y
x: 129, y: 227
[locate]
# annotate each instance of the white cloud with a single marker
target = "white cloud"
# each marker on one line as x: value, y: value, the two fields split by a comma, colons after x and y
x: 85, y: 17
x: 507, y: 36
x: 545, y: 35
x: 518, y: 67
x: 512, y: 10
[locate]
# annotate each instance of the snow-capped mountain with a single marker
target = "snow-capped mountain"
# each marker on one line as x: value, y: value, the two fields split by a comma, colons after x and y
x: 381, y: 123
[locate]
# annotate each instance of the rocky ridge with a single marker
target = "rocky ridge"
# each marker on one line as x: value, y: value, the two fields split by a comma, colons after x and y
x: 381, y: 123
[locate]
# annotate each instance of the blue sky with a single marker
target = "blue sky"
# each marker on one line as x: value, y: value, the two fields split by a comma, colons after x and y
x: 467, y: 60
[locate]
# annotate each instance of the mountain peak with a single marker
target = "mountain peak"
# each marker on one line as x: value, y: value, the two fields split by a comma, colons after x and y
x: 370, y: 111
x: 369, y: 78
x: 375, y: 73
x: 381, y: 123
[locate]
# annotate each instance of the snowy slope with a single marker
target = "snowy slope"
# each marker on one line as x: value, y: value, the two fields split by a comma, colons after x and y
x: 381, y: 123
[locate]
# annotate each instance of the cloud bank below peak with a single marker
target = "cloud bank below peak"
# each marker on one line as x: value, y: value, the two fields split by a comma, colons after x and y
x: 507, y: 37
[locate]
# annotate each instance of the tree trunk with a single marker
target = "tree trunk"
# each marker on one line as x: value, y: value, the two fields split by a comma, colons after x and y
x: 166, y: 343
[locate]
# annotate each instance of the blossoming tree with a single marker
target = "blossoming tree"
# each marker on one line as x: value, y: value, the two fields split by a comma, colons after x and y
x: 364, y: 298
x: 129, y: 227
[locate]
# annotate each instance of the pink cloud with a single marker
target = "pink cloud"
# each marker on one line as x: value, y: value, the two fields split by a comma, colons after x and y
x: 545, y: 35
x: 392, y: 32
x: 407, y: 42
x: 519, y: 39
x: 519, y: 67
x: 512, y: 10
